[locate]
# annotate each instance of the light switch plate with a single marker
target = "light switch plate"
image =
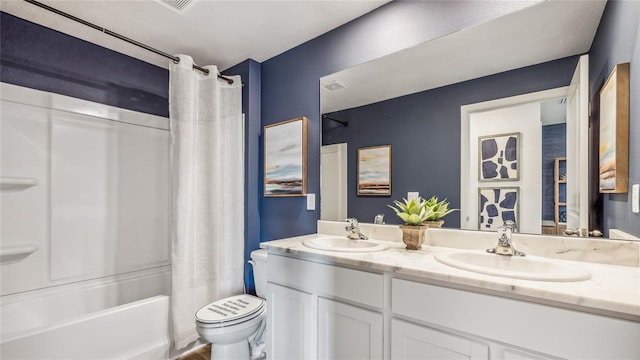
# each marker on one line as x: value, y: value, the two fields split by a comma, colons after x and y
x: 413, y: 195
x: 635, y: 198
x: 311, y: 201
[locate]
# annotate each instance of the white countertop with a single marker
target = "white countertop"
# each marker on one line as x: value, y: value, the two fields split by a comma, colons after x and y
x: 613, y: 290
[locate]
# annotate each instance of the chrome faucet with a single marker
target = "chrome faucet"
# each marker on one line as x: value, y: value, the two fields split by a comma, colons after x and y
x: 353, y: 229
x: 505, y: 246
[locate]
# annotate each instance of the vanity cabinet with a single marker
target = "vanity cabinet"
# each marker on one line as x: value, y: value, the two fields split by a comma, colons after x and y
x: 514, y: 329
x: 320, y: 311
x: 294, y: 327
x: 348, y: 332
x: 412, y: 341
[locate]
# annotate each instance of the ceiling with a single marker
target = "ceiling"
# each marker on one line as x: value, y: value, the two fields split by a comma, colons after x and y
x: 213, y: 32
x: 543, y: 32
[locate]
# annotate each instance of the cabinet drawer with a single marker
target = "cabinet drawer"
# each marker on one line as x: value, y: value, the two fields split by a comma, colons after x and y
x: 541, y: 328
x: 326, y: 280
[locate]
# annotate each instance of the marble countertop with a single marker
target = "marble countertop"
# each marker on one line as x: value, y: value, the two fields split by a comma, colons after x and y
x: 613, y: 290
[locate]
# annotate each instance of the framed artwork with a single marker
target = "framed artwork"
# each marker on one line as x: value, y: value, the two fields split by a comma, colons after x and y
x: 497, y: 205
x: 285, y: 158
x: 374, y: 171
x: 614, y: 132
x: 499, y: 157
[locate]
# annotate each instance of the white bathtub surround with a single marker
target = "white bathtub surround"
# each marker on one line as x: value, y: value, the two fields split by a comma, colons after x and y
x: 81, y: 198
x: 613, y: 290
x: 207, y: 171
x: 85, y: 227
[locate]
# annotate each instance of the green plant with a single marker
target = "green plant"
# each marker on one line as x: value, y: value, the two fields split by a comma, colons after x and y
x: 437, y: 209
x: 412, y: 212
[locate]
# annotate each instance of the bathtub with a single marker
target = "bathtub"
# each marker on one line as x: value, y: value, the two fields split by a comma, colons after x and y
x: 90, y: 320
x: 138, y: 330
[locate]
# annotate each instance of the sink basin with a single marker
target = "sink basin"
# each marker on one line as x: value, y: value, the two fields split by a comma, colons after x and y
x: 341, y: 243
x: 527, y: 268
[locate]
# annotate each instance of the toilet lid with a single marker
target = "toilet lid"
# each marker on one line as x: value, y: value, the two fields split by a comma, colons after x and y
x: 229, y: 309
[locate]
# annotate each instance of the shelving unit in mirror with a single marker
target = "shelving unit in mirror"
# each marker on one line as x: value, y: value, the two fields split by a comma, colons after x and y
x: 560, y: 194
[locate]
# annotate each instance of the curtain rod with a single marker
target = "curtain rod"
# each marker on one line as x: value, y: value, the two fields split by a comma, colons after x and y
x: 121, y: 37
x: 344, y: 123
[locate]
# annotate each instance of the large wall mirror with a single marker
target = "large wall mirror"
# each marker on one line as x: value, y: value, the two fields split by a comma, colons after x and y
x: 431, y: 103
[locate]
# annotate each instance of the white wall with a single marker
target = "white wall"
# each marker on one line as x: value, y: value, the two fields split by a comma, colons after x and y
x: 333, y: 182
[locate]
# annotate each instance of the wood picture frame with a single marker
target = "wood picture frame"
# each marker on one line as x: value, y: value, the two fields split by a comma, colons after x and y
x: 497, y: 205
x: 613, y: 170
x: 285, y: 158
x: 499, y: 157
x: 374, y: 171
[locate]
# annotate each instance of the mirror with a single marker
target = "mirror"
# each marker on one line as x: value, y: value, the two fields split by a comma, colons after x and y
x: 412, y: 100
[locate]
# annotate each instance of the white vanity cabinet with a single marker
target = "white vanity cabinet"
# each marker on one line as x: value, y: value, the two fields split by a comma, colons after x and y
x: 319, y: 311
x: 348, y: 332
x: 294, y: 328
x: 512, y: 329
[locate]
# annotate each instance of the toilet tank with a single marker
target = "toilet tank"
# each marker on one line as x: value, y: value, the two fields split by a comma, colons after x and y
x: 259, y: 263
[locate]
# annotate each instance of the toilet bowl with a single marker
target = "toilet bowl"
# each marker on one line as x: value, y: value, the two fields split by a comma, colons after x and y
x: 229, y: 324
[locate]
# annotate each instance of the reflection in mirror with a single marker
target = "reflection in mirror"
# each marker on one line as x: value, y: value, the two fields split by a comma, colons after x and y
x: 424, y: 127
x: 511, y: 159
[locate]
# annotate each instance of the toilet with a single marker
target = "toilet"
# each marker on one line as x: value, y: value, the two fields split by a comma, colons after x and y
x: 230, y: 324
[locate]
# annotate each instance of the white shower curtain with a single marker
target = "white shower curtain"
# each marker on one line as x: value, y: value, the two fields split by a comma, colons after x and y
x: 207, y: 175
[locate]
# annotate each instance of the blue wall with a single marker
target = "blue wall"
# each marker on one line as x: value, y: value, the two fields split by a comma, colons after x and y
x: 554, y: 144
x: 424, y: 131
x: 37, y: 57
x: 617, y: 42
x: 249, y: 70
x: 291, y: 81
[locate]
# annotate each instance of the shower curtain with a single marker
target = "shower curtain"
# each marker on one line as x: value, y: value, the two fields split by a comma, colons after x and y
x: 207, y: 182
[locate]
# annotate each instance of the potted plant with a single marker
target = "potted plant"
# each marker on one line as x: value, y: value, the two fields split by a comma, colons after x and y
x: 413, y: 212
x: 438, y: 209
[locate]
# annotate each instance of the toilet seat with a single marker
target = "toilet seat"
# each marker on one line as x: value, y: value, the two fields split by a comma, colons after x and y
x: 230, y: 311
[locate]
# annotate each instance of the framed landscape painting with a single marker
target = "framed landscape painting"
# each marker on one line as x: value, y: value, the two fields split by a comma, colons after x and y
x: 374, y: 171
x: 614, y: 132
x: 499, y: 157
x: 285, y: 158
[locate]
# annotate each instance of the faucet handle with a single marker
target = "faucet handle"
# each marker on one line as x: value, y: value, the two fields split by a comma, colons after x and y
x: 510, y: 224
x: 352, y: 221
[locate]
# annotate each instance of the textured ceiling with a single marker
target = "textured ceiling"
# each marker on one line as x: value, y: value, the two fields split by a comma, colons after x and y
x: 213, y: 32
x: 546, y: 31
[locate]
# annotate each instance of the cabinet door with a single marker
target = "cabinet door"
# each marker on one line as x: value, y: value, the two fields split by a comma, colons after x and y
x: 290, y: 323
x: 411, y: 341
x: 510, y: 354
x: 348, y: 332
